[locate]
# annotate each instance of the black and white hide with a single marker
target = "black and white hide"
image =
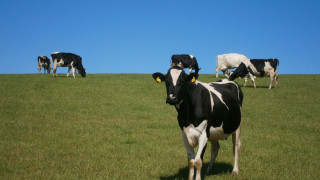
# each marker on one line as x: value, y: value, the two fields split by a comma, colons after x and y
x: 44, y: 61
x: 258, y: 68
x: 206, y: 112
x: 72, y: 61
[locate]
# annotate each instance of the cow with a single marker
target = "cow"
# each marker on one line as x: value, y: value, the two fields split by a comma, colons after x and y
x: 206, y: 112
x: 187, y: 61
x: 258, y: 68
x: 44, y: 61
x: 225, y: 62
x: 70, y: 60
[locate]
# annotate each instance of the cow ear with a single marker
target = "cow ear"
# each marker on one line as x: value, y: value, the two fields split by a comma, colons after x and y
x: 193, y: 77
x: 159, y: 77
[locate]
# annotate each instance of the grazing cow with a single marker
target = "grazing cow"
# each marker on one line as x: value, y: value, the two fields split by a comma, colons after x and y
x: 187, y: 61
x: 258, y: 68
x: 206, y: 112
x: 70, y: 60
x: 44, y: 61
x: 225, y: 62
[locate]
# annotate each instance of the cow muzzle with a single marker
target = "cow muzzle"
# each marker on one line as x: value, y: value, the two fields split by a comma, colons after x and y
x: 172, y: 100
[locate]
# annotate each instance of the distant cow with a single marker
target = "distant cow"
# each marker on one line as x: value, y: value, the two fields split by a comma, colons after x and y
x: 225, y: 62
x: 206, y: 112
x: 258, y: 68
x: 70, y: 60
x: 187, y: 61
x: 44, y: 61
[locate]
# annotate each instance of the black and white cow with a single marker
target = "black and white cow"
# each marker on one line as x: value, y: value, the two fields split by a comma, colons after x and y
x: 185, y: 61
x: 44, y: 61
x: 70, y: 60
x: 206, y: 112
x: 258, y: 68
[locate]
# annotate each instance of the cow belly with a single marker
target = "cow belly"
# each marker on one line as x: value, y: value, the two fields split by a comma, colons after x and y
x: 216, y: 133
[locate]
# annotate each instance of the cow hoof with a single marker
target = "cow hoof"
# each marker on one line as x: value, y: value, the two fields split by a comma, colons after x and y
x: 234, y: 172
x: 209, y: 170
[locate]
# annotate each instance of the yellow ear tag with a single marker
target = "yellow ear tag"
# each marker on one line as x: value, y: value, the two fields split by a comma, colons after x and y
x: 193, y: 79
x: 158, y: 79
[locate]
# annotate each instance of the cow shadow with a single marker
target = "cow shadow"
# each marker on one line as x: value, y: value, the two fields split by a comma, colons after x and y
x: 258, y: 87
x: 219, y: 168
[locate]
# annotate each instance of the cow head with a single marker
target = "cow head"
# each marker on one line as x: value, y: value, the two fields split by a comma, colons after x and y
x: 176, y: 82
x: 82, y: 72
x: 241, y: 71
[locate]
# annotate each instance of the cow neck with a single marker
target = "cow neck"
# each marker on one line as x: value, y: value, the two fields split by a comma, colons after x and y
x: 186, y: 114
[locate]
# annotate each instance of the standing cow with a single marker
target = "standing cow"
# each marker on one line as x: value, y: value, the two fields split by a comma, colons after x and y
x: 225, y: 62
x: 70, y: 60
x: 186, y: 61
x: 206, y: 112
x: 258, y: 68
x: 44, y: 61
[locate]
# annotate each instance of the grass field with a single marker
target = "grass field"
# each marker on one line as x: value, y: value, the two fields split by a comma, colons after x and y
x: 118, y: 126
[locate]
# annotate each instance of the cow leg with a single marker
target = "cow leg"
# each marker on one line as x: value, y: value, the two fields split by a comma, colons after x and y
x: 217, y: 71
x: 252, y: 80
x: 39, y: 69
x: 245, y: 81
x: 190, y: 71
x: 228, y: 73
x: 272, y: 77
x: 271, y: 80
x: 73, y: 72
x: 236, y: 149
x: 203, y: 139
x: 54, y: 69
x: 214, y: 153
x: 276, y: 79
x: 190, y: 153
x: 69, y: 68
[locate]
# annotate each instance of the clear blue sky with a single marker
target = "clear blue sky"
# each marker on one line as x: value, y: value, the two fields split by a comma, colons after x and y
x: 139, y: 36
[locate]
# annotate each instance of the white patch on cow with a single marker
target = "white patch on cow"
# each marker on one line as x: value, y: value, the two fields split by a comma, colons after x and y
x: 191, y: 56
x: 175, y: 73
x: 60, y: 63
x: 212, y: 90
x: 193, y: 133
x: 254, y: 70
x: 216, y: 133
x: 267, y: 68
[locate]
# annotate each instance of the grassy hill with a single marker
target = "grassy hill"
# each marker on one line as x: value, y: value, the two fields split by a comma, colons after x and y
x: 118, y: 126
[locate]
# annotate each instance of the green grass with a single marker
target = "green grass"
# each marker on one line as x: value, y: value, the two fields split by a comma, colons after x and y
x: 118, y: 126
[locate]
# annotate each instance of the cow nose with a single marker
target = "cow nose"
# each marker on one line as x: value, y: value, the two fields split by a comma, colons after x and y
x: 172, y: 97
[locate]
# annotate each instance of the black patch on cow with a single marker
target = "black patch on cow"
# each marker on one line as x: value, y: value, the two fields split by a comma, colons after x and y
x: 231, y: 116
x: 186, y: 61
x: 241, y: 71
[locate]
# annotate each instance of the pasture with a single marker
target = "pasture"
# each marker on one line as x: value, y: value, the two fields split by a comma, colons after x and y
x: 118, y: 126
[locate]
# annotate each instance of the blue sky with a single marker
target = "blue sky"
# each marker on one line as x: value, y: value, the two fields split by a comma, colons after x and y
x: 139, y: 36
